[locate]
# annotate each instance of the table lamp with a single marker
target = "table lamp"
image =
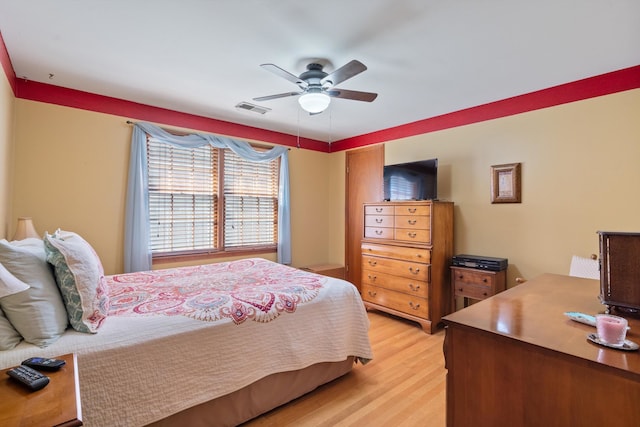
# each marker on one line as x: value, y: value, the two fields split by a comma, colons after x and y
x: 25, y: 229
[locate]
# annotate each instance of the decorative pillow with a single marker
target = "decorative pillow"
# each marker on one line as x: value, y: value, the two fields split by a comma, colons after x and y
x: 9, y: 337
x: 80, y: 277
x: 37, y: 313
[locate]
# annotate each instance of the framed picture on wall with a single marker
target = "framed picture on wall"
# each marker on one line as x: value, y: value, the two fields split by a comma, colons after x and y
x: 505, y: 183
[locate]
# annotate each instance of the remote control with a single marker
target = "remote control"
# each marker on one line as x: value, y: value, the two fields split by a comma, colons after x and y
x: 581, y: 317
x: 44, y: 364
x: 31, y: 378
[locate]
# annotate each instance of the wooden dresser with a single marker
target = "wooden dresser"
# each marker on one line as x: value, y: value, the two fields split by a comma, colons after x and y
x: 406, y: 253
x: 515, y: 359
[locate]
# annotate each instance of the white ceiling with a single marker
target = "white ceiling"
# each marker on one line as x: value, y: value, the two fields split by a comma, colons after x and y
x: 424, y: 57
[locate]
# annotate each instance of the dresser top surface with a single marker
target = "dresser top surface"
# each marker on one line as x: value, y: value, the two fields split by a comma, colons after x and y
x: 533, y: 312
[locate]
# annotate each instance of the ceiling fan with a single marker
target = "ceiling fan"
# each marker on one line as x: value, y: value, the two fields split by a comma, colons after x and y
x: 318, y: 87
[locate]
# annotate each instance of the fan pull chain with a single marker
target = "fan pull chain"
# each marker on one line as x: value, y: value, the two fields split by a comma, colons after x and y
x: 298, y: 136
x: 330, y: 128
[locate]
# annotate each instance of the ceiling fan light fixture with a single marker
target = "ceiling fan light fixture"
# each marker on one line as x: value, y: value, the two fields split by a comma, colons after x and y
x: 314, y: 102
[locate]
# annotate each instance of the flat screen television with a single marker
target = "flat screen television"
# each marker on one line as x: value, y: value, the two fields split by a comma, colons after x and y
x: 411, y: 181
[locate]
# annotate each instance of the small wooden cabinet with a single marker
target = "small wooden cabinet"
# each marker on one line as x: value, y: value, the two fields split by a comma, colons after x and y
x: 57, y: 404
x: 406, y: 251
x: 330, y: 270
x: 476, y: 284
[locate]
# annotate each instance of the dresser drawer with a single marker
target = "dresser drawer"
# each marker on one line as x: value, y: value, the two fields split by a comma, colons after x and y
x: 396, y: 283
x: 409, y: 235
x: 379, y: 233
x: 409, y: 304
x: 398, y: 252
x: 378, y: 221
x: 413, y: 222
x: 412, y: 270
x: 412, y: 210
x: 470, y: 290
x: 472, y: 277
x: 378, y: 210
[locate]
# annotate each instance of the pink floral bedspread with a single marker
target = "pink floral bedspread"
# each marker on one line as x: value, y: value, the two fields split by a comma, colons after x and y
x: 254, y: 289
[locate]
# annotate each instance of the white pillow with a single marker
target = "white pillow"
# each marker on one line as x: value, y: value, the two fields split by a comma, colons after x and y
x: 80, y: 277
x: 37, y: 313
x: 9, y: 337
x: 10, y: 284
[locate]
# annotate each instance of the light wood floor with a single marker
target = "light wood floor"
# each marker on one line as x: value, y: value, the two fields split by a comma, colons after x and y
x: 404, y: 385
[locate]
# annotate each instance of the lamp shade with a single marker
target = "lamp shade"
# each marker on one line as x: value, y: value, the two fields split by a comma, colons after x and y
x: 314, y: 102
x: 25, y: 229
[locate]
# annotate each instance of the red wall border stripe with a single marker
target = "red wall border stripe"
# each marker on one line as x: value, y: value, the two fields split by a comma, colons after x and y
x: 604, y: 84
x: 6, y: 65
x: 51, y: 94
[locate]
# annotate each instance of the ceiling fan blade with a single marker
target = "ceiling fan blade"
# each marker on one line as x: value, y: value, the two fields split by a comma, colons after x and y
x: 284, y: 74
x: 352, y: 94
x: 279, y: 95
x: 345, y: 72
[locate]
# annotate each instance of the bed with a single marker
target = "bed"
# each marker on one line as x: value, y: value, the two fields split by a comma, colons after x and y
x: 216, y: 344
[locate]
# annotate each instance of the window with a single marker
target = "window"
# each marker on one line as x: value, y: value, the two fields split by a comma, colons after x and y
x: 209, y: 200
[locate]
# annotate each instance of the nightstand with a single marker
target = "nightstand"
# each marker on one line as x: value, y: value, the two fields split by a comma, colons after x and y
x: 330, y: 270
x: 58, y: 404
x: 475, y: 284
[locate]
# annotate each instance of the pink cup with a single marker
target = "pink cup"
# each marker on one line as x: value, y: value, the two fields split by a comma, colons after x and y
x: 611, y: 329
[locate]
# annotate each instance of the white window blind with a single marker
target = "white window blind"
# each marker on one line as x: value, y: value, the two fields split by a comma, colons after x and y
x: 184, y: 195
x: 250, y: 201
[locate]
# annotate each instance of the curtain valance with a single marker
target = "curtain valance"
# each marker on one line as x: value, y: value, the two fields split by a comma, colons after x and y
x: 137, y: 252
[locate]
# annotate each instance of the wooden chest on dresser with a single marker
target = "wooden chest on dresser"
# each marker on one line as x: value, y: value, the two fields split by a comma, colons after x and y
x: 406, y: 253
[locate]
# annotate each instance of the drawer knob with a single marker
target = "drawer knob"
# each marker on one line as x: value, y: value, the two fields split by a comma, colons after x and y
x: 414, y: 271
x: 378, y: 210
x: 412, y: 221
x: 379, y: 220
x: 378, y: 232
x: 485, y: 280
x: 371, y: 293
x: 460, y: 289
x: 373, y: 263
x: 413, y: 287
x: 485, y: 294
x: 414, y: 306
x: 460, y: 276
x: 372, y: 278
x: 412, y: 235
x: 411, y: 210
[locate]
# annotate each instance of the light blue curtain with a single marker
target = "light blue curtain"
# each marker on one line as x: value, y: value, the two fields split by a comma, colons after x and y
x: 137, y: 251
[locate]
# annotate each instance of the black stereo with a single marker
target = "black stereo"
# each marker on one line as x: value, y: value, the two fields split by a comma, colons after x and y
x: 480, y: 262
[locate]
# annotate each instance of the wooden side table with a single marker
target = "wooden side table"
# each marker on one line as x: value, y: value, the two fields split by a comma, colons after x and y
x: 57, y: 404
x: 475, y: 284
x: 331, y: 270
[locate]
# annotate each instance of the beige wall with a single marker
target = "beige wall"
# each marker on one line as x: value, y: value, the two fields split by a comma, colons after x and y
x: 71, y: 169
x: 317, y: 207
x: 6, y: 152
x: 579, y: 170
x: 580, y: 174
x: 70, y: 173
